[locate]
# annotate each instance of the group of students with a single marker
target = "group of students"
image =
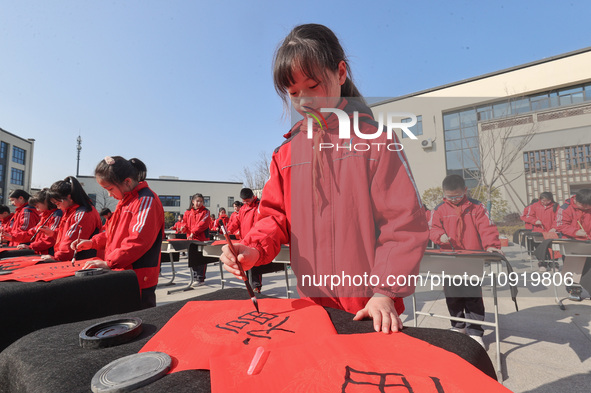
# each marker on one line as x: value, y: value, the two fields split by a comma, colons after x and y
x: 61, y: 222
x: 198, y: 224
x: 571, y: 220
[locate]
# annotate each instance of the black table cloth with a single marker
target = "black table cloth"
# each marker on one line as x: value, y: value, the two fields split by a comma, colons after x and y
x: 29, y: 306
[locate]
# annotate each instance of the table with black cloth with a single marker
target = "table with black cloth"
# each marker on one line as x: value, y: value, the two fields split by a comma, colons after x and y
x: 51, y: 360
x: 29, y: 306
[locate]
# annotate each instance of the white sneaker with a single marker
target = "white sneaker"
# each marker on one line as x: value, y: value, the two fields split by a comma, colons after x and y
x: 478, y: 339
x: 459, y: 330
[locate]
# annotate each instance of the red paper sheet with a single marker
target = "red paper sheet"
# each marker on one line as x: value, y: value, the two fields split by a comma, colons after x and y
x: 372, y: 362
x: 19, y: 262
x: 44, y: 272
x: 202, y: 329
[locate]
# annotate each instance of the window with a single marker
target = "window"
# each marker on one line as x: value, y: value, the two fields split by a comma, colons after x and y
x: 230, y: 201
x: 170, y: 200
x: 539, y: 161
x: 18, y: 155
x: 206, y: 201
x: 417, y: 129
x: 3, y: 149
x: 17, y: 177
x: 1, y: 173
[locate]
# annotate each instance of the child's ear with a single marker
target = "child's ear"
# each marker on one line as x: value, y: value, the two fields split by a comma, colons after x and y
x: 342, y: 72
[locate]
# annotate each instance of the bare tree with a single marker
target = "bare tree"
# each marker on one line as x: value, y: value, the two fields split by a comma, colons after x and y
x: 500, y: 144
x: 256, y: 175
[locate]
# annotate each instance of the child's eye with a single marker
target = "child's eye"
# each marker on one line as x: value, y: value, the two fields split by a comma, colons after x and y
x: 315, y: 86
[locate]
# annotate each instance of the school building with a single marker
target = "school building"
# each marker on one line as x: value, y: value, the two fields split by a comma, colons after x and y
x: 16, y: 164
x: 174, y: 193
x: 528, y: 128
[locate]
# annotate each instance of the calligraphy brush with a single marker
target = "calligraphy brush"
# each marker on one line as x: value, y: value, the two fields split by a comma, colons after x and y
x: 583, y: 229
x: 444, y: 231
x: 42, y: 225
x: 242, y: 273
x: 76, y: 249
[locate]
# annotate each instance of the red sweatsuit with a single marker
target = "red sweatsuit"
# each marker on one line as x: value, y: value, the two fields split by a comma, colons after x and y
x: 247, y: 216
x: 75, y: 217
x: 568, y: 218
x: 546, y: 214
x: 25, y: 217
x: 43, y: 242
x: 134, y: 235
x: 526, y: 212
x: 198, y: 221
x: 179, y: 227
x: 225, y: 220
x: 344, y: 212
x: 468, y: 225
x: 232, y: 224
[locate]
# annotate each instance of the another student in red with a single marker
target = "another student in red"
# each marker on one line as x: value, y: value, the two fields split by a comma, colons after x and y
x: 135, y: 231
x: 573, y: 220
x: 198, y: 222
x: 212, y: 223
x: 542, y: 214
x: 464, y: 224
x: 233, y: 218
x: 526, y: 213
x: 222, y: 218
x: 247, y: 217
x: 25, y: 217
x: 5, y: 221
x: 80, y: 219
x: 179, y: 225
x: 50, y: 217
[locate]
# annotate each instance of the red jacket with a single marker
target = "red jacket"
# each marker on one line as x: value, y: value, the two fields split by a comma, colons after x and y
x: 233, y: 224
x: 345, y: 212
x: 42, y: 242
x: 197, y: 223
x: 25, y: 217
x: 526, y: 213
x: 468, y: 225
x: 224, y: 218
x: 546, y: 214
x: 134, y: 235
x: 569, y: 220
x: 75, y: 217
x: 179, y: 227
x: 247, y: 216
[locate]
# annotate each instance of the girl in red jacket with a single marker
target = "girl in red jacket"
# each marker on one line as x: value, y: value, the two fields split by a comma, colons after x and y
x: 135, y: 231
x: 542, y: 214
x: 25, y: 217
x: 347, y: 213
x: 80, y: 219
x: 50, y: 217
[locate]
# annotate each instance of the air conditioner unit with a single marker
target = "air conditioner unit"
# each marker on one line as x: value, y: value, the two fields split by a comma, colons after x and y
x: 427, y: 143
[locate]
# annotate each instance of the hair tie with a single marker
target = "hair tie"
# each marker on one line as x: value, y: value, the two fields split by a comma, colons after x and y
x: 109, y: 160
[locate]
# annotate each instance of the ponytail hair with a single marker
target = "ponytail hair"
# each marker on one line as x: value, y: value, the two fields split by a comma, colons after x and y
x: 72, y: 187
x: 43, y: 196
x: 116, y: 169
x: 311, y: 49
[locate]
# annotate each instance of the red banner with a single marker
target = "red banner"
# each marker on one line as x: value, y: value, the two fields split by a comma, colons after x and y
x: 372, y: 362
x: 202, y: 329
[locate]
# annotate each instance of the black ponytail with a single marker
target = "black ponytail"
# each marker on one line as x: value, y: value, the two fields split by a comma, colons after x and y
x: 72, y: 187
x: 116, y: 169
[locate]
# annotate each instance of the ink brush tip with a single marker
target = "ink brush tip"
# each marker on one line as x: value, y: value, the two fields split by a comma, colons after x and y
x: 256, y: 303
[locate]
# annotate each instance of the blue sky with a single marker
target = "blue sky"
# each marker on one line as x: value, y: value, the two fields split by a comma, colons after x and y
x: 186, y: 86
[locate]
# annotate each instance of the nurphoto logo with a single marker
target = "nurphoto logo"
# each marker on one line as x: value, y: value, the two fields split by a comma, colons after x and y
x: 393, y: 121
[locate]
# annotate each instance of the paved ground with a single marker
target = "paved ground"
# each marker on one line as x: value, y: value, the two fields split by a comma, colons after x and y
x: 543, y: 349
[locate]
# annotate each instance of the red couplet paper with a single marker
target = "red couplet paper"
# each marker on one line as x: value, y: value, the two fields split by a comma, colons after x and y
x: 44, y: 272
x: 202, y: 329
x: 372, y: 362
x: 20, y: 262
